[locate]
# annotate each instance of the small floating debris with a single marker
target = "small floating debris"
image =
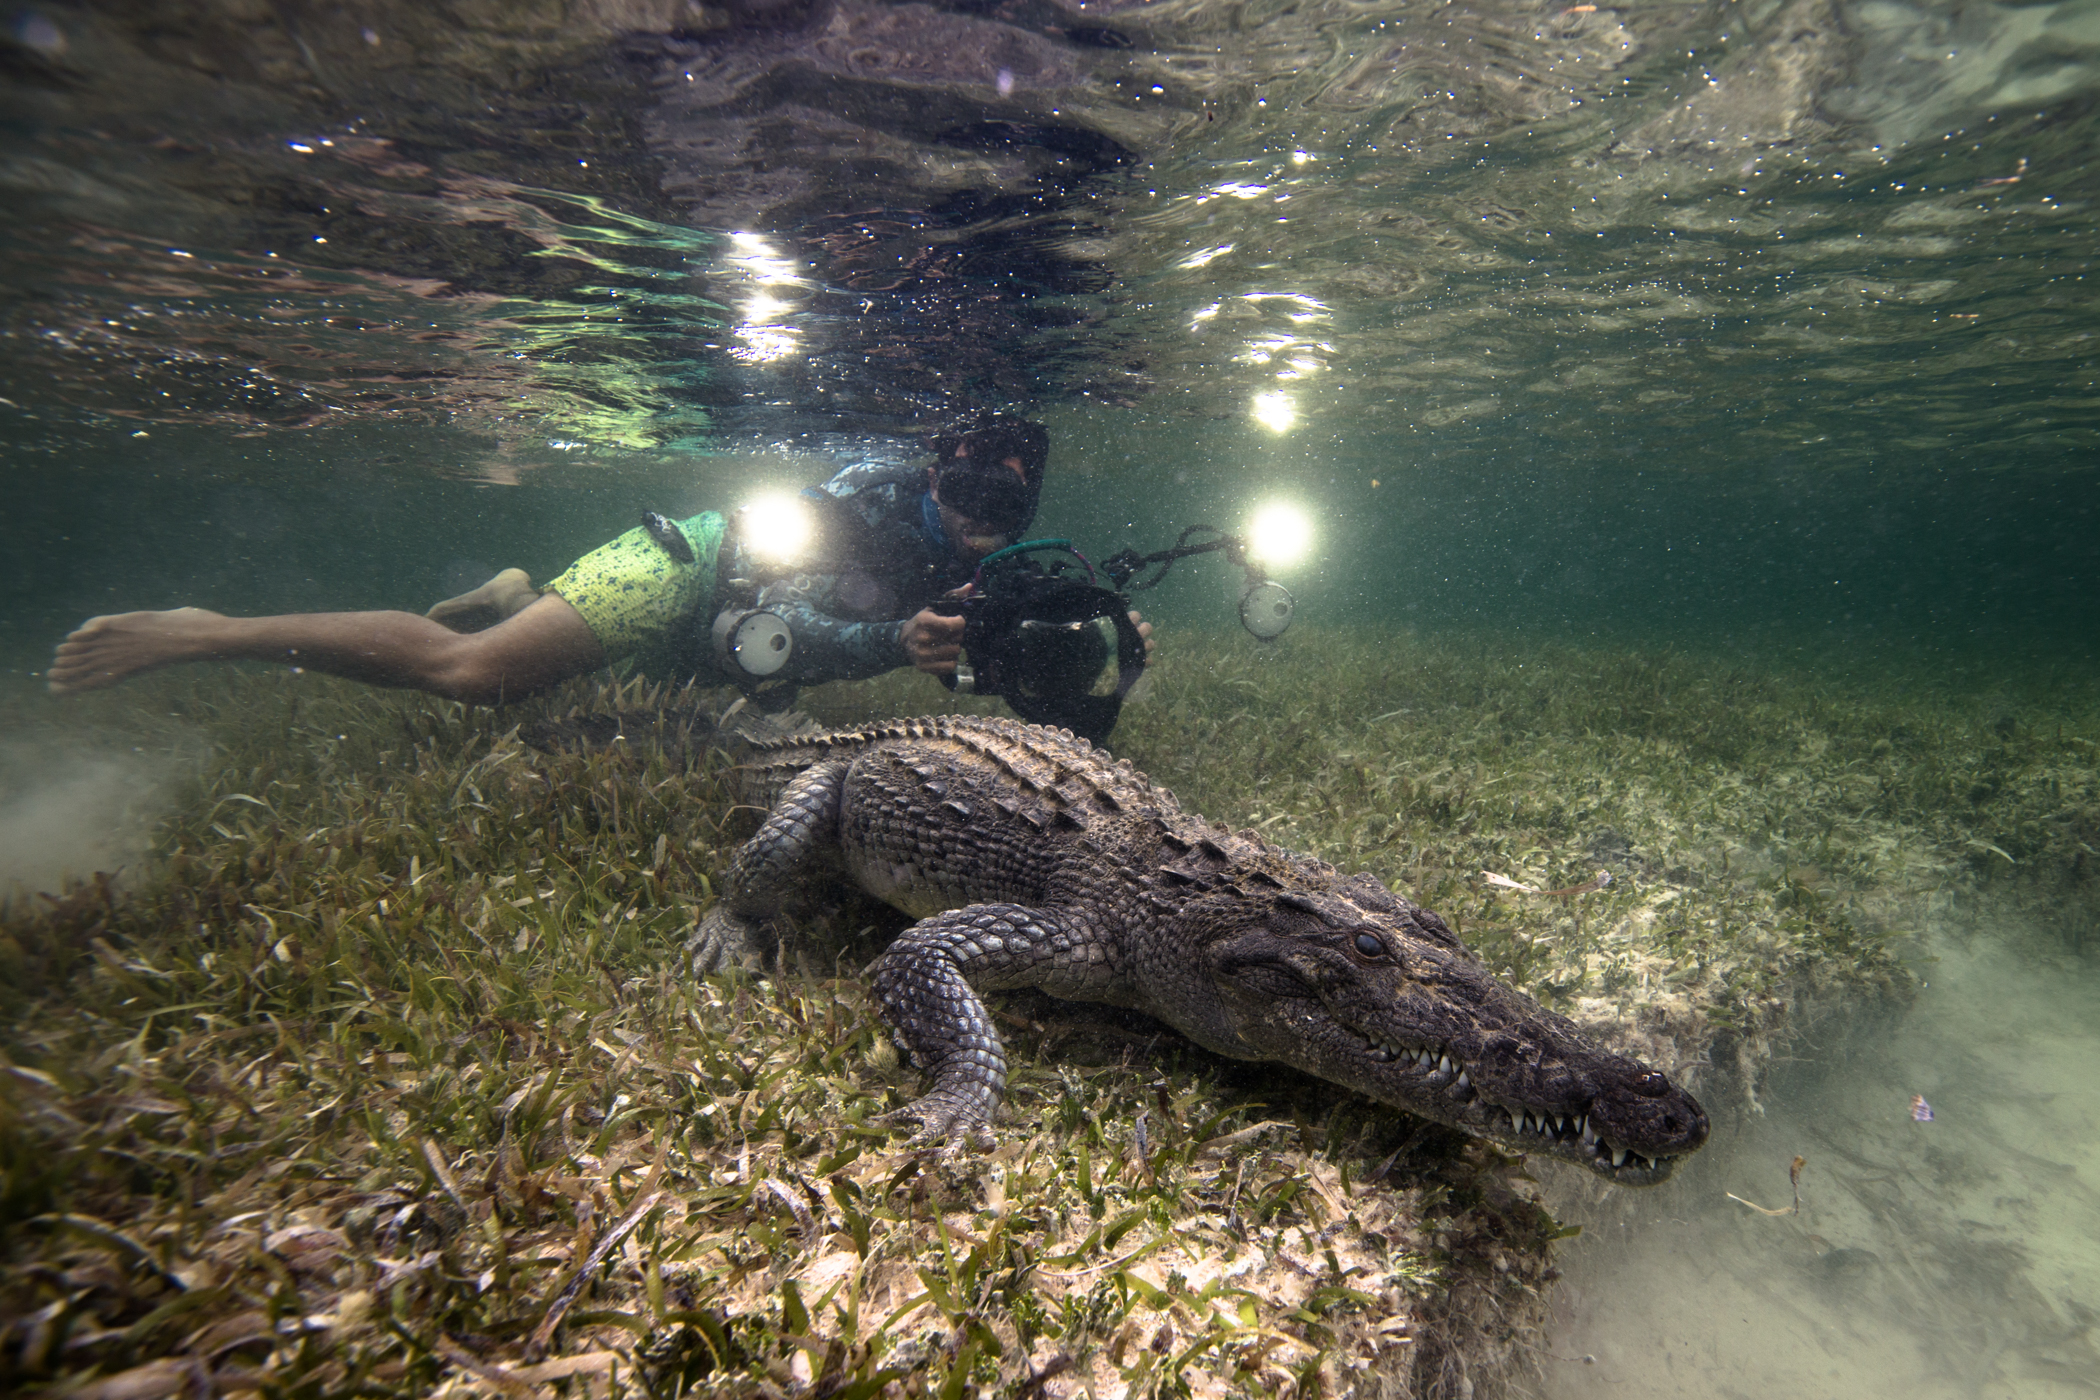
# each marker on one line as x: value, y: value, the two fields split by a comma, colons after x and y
x: 2019, y: 171
x: 1793, y: 1175
x: 1920, y: 1111
x: 1503, y: 882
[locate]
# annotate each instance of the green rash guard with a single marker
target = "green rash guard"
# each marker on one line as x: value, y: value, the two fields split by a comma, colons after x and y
x: 640, y: 602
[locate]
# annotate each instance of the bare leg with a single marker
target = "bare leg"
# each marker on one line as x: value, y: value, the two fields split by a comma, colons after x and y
x: 104, y: 650
x: 544, y: 644
x: 502, y: 597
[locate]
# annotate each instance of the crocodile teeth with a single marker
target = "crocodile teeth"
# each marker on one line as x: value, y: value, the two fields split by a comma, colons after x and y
x: 1548, y: 1125
x: 1430, y: 1061
x: 1618, y: 1156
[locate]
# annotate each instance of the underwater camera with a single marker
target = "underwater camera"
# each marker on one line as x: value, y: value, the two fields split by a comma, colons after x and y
x: 1060, y: 647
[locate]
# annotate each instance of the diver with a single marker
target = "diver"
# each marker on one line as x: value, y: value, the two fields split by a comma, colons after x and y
x: 892, y: 542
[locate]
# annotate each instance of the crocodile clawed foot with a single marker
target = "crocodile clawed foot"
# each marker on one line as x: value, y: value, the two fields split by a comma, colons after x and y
x: 946, y: 1121
x: 724, y: 942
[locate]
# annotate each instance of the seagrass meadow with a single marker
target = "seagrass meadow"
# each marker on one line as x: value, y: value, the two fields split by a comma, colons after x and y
x: 379, y: 1074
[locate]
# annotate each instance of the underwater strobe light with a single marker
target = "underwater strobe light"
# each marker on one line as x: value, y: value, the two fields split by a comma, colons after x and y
x: 1278, y: 534
x: 758, y: 643
x: 777, y: 528
x: 780, y: 531
x: 1266, y: 607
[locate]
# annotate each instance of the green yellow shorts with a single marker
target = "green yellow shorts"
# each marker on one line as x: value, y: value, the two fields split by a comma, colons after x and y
x: 641, y: 603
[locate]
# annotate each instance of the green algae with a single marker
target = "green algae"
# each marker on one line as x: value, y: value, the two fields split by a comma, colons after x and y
x: 384, y: 1076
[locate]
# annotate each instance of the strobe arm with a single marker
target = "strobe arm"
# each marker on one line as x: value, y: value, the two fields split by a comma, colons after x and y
x: 1125, y: 566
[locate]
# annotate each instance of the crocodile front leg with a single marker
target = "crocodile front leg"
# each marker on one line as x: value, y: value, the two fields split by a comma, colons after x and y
x: 803, y: 822
x: 926, y: 984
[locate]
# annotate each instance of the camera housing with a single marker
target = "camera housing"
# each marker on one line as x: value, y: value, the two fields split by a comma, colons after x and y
x: 1059, y: 650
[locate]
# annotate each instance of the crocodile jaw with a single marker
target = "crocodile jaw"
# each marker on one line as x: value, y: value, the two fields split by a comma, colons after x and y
x: 1431, y: 1032
x: 1633, y: 1128
x: 1588, y: 1125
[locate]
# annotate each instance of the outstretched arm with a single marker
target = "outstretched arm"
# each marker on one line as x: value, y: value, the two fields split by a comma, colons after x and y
x: 932, y: 641
x: 538, y: 647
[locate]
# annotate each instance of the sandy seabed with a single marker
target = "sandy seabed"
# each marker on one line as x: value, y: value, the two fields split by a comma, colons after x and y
x: 1955, y: 1257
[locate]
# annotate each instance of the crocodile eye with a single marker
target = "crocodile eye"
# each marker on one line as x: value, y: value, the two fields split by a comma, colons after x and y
x: 1652, y: 1085
x: 1369, y: 945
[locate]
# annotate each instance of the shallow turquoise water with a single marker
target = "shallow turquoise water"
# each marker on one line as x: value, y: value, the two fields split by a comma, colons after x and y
x: 1754, y: 328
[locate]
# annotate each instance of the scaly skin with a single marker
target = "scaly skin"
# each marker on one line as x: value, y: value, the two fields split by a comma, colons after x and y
x: 1033, y: 860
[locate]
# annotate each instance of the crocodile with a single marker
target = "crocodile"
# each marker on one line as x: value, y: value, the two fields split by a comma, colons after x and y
x: 1030, y: 858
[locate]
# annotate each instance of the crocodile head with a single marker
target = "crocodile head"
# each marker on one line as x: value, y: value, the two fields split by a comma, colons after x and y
x: 1344, y: 980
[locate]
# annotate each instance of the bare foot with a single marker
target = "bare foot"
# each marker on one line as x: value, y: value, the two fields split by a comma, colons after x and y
x: 503, y: 596
x: 104, y: 650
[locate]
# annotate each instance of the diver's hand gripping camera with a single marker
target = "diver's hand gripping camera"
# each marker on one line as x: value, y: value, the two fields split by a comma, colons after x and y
x: 1061, y: 649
